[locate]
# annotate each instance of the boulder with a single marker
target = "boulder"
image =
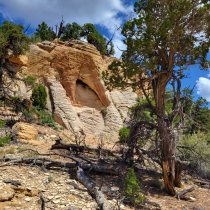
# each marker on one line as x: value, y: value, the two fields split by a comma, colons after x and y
x: 24, y: 131
x: 6, y: 193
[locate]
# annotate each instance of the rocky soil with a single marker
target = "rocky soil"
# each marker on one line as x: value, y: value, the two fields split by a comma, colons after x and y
x: 60, y: 189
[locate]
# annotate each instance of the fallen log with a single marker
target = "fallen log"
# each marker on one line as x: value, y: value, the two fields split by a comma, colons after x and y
x: 93, y: 190
x: 59, y: 144
x: 52, y: 163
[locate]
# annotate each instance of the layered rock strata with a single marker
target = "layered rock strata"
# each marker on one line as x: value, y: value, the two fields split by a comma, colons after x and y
x: 71, y: 72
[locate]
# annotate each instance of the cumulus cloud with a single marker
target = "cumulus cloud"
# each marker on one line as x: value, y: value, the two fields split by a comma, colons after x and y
x: 203, y: 86
x: 102, y: 12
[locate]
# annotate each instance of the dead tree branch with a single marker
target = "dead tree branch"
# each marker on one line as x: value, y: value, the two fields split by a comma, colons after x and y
x: 93, y: 190
x: 52, y: 163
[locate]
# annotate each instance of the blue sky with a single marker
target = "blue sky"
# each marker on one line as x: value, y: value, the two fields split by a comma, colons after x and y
x: 106, y: 15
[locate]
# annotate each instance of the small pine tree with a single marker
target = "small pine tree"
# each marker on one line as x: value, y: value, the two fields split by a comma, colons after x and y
x: 131, y: 188
x: 39, y: 96
x: 124, y: 134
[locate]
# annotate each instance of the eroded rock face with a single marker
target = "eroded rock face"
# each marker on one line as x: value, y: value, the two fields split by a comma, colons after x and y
x: 60, y: 104
x: 76, y: 93
x: 123, y: 100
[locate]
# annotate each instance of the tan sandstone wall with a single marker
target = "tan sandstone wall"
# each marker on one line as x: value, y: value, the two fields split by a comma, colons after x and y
x: 71, y: 72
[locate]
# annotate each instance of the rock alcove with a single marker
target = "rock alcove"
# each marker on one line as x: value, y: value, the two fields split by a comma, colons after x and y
x: 85, y: 96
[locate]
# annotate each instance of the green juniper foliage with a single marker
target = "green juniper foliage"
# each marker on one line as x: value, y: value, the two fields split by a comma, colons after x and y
x: 72, y: 31
x: 39, y: 96
x: 44, y: 32
x: 12, y: 42
x: 124, y: 134
x: 162, y: 41
x: 2, y: 123
x: 95, y: 38
x: 4, y: 140
x: 131, y: 188
x: 35, y: 38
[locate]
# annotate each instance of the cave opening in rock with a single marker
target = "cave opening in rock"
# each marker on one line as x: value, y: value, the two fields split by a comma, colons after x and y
x: 85, y: 96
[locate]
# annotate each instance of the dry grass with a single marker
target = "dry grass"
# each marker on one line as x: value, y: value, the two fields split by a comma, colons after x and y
x: 10, y: 150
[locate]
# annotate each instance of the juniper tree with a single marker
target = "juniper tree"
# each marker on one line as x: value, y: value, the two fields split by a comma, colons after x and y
x: 12, y: 43
x: 94, y: 37
x: 165, y: 38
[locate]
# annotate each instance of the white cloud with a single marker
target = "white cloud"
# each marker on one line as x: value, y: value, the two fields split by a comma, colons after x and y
x: 102, y: 12
x: 203, y: 86
x: 208, y: 75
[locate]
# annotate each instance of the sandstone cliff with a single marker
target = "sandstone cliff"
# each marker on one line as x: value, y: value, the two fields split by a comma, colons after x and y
x: 71, y: 72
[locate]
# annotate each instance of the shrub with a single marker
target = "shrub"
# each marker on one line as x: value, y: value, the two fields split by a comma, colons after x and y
x: 30, y: 80
x: 50, y: 178
x: 57, y: 76
x: 2, y: 123
x: 200, y: 144
x: 29, y: 116
x: 124, y: 134
x: 10, y: 150
x: 46, y: 119
x: 104, y: 110
x: 39, y: 96
x: 4, y: 141
x: 131, y: 188
x: 34, y: 38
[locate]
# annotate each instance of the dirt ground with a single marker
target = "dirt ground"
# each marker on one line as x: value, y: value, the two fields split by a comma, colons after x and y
x: 67, y: 196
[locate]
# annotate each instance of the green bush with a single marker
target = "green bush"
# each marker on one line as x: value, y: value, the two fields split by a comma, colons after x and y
x: 29, y: 116
x: 46, y: 119
x: 34, y: 38
x: 200, y: 144
x: 30, y: 80
x: 2, y: 123
x: 131, y: 188
x: 39, y: 96
x: 4, y: 141
x: 124, y: 134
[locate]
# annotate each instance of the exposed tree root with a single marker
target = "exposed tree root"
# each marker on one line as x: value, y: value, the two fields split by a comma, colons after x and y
x: 184, y: 192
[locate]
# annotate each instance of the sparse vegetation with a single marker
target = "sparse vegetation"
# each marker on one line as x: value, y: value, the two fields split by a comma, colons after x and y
x: 10, y: 150
x: 50, y: 178
x: 104, y: 110
x: 30, y: 80
x: 46, y: 119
